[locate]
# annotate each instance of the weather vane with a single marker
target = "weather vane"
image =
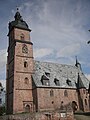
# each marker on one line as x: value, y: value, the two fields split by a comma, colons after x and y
x: 17, y: 8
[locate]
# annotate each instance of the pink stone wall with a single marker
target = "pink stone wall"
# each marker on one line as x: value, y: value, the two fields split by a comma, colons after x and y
x: 47, y: 102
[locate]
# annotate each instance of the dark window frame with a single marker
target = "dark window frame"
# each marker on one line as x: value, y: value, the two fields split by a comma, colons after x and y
x: 26, y: 80
x: 51, y: 93
x: 57, y: 82
x: 25, y: 64
x: 65, y: 93
x: 69, y: 82
x: 22, y: 36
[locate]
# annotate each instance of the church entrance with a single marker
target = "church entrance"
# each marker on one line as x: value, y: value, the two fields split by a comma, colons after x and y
x: 27, y: 108
x: 74, y: 106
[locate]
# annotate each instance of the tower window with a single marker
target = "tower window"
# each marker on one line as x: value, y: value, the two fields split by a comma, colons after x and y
x: 22, y: 37
x: 25, y: 64
x: 26, y: 80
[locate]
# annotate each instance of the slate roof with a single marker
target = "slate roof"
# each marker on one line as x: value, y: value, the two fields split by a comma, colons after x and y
x: 80, y: 83
x: 61, y: 72
x: 18, y: 22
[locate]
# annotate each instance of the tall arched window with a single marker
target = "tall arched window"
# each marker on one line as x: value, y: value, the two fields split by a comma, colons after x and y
x: 65, y: 93
x: 26, y: 80
x: 22, y: 37
x: 51, y: 93
x: 25, y: 64
x: 85, y: 102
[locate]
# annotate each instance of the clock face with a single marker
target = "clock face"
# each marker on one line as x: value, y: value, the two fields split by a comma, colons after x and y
x: 24, y: 48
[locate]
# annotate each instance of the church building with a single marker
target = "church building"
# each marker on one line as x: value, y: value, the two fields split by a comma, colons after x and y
x: 33, y: 86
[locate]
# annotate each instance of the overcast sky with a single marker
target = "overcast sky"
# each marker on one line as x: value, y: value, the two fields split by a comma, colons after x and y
x: 59, y: 30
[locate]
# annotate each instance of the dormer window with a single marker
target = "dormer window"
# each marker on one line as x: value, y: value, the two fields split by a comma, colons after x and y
x: 45, y: 81
x: 69, y: 82
x: 47, y: 74
x: 57, y: 82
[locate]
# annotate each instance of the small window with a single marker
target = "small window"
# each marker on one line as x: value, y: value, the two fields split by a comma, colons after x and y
x: 68, y: 82
x: 22, y: 36
x: 26, y: 80
x: 0, y: 101
x: 65, y: 93
x: 25, y: 64
x: 85, y: 102
x: 51, y: 93
x: 57, y: 82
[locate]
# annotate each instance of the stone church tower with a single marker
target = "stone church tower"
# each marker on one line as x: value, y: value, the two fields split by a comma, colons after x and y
x: 19, y: 67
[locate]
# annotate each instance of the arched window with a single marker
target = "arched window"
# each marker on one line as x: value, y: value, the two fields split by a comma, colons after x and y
x: 65, y: 93
x: 25, y: 64
x: 26, y: 80
x: 74, y: 106
x: 27, y: 108
x: 85, y: 102
x: 22, y: 37
x: 51, y: 93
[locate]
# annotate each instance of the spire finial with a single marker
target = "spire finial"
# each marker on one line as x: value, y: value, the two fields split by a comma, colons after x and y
x: 17, y: 8
x: 17, y: 15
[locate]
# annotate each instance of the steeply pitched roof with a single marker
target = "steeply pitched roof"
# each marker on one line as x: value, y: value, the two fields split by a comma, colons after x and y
x: 60, y: 72
x: 18, y: 22
x: 80, y: 83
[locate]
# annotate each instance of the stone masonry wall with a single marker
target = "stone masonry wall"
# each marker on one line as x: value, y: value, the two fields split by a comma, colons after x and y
x: 39, y: 116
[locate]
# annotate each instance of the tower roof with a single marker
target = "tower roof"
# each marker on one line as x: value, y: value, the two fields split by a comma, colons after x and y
x: 18, y: 22
x: 80, y: 83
